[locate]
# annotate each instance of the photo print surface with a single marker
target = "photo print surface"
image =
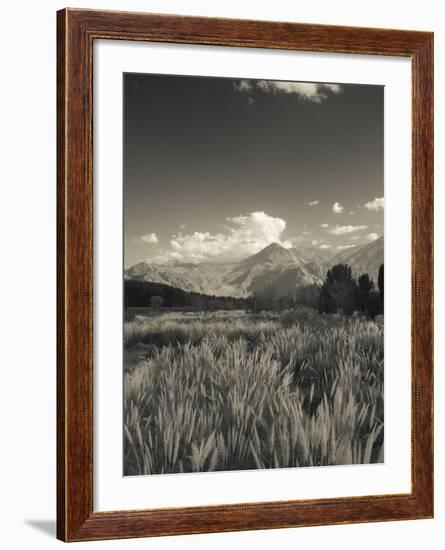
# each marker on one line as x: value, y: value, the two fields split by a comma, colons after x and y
x: 253, y: 274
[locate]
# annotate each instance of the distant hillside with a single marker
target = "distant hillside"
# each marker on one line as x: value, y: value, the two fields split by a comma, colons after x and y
x: 363, y: 259
x: 274, y: 267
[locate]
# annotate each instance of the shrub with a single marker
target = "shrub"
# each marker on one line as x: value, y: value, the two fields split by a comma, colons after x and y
x: 374, y: 304
x: 297, y: 315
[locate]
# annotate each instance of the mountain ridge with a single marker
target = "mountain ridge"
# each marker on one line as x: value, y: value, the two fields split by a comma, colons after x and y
x: 272, y: 267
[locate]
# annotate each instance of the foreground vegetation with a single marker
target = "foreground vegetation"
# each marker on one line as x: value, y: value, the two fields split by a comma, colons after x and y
x: 234, y: 390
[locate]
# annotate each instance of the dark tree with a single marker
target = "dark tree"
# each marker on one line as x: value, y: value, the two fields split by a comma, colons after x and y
x: 380, y: 281
x: 374, y: 304
x: 308, y: 296
x: 339, y: 273
x: 339, y: 292
x: 365, y: 285
x: 326, y: 300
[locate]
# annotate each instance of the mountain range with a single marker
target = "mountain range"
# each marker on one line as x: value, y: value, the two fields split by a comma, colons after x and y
x: 273, y: 267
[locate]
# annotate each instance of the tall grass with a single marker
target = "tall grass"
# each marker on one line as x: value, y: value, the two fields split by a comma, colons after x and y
x: 210, y: 393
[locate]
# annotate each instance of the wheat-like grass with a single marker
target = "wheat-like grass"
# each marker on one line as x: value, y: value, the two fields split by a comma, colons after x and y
x: 207, y: 393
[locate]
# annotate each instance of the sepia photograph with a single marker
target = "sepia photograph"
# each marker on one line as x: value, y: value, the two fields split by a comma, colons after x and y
x: 253, y: 284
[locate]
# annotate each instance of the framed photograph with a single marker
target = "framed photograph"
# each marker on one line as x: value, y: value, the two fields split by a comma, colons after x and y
x: 245, y: 264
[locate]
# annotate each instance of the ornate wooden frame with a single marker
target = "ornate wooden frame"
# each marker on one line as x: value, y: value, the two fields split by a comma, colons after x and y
x: 77, y: 30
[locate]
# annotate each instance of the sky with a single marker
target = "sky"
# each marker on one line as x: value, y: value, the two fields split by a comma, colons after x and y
x: 215, y: 169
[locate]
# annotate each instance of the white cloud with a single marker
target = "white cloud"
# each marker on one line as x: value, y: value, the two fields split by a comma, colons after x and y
x: 352, y: 212
x: 345, y: 246
x: 355, y: 237
x: 243, y: 85
x: 294, y: 241
x: 150, y: 238
x: 313, y: 203
x: 323, y: 246
x: 244, y: 235
x: 324, y: 225
x: 315, y: 92
x: 344, y: 229
x: 376, y: 204
x: 306, y: 233
x: 182, y: 227
x: 314, y: 242
x: 372, y: 237
x: 337, y: 208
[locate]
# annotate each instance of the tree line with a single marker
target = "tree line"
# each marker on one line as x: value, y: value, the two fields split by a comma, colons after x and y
x: 342, y: 292
x: 159, y: 295
x: 339, y: 293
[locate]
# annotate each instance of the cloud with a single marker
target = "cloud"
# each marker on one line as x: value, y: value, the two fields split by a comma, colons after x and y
x: 372, y: 237
x: 352, y: 212
x: 323, y: 246
x: 345, y: 246
x: 150, y: 238
x: 337, y: 208
x: 376, y: 204
x: 324, y: 225
x: 306, y: 233
x: 244, y: 235
x: 344, y: 229
x: 314, y: 242
x: 243, y: 85
x: 355, y: 237
x: 314, y: 92
x: 313, y: 203
x: 294, y: 241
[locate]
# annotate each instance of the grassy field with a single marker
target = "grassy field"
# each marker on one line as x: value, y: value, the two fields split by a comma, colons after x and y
x: 235, y: 391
